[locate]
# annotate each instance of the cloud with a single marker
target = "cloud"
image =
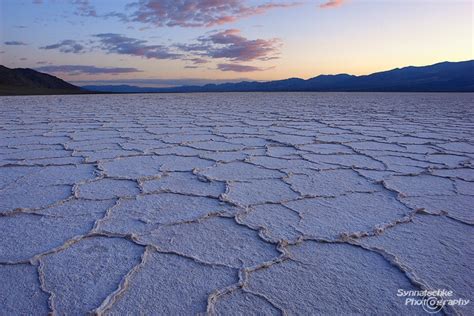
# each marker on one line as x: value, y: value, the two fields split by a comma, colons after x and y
x: 120, y: 16
x: 196, y: 13
x: 89, y: 70
x: 14, y: 43
x: 66, y: 46
x: 237, y: 68
x: 228, y: 45
x: 231, y: 45
x: 331, y: 4
x: 119, y: 44
x: 198, y: 60
x: 84, y: 8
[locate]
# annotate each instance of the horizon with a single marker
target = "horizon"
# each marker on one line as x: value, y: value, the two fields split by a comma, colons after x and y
x: 199, y: 82
x: 170, y: 83
x: 90, y: 42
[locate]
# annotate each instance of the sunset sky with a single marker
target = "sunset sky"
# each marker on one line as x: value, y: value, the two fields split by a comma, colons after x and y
x: 173, y: 42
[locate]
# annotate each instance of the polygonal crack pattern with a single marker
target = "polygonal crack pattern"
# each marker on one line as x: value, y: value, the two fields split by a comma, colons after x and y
x: 234, y: 204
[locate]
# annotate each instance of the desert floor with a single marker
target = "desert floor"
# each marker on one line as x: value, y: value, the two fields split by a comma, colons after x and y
x: 279, y: 203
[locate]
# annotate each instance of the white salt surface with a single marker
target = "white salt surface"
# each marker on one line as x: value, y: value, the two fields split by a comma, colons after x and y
x: 235, y: 204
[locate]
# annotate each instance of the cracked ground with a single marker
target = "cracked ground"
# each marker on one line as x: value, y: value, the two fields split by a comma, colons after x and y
x: 280, y: 203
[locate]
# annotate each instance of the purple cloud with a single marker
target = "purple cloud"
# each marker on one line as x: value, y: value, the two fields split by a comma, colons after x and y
x: 14, y: 43
x: 196, y: 13
x: 237, y: 68
x: 331, y: 4
x: 89, y: 70
x: 84, y: 8
x: 197, y: 60
x: 66, y: 46
x: 231, y: 45
x: 228, y: 44
x: 119, y: 44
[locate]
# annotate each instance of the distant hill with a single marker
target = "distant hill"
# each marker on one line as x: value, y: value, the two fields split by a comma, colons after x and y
x: 123, y: 88
x: 441, y: 77
x: 25, y: 81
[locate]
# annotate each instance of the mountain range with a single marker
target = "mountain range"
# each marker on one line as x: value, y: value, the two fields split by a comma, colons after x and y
x: 441, y: 77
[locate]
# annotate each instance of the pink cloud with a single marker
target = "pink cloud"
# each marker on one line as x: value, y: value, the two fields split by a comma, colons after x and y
x: 197, y: 13
x: 230, y: 44
x: 331, y: 4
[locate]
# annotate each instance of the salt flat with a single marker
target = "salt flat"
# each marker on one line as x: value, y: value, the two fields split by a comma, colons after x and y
x: 280, y: 203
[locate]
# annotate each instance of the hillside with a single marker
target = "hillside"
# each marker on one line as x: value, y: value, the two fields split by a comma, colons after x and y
x: 25, y: 81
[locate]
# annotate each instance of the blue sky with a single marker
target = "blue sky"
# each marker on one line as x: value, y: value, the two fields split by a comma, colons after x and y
x: 167, y: 42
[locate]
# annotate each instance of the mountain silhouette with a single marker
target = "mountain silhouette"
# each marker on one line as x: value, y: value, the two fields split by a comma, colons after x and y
x: 25, y: 81
x: 441, y: 77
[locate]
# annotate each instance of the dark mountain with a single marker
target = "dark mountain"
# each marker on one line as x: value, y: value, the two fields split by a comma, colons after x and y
x: 442, y: 77
x: 25, y: 81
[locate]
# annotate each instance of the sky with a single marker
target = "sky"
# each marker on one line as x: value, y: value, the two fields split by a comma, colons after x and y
x: 175, y: 42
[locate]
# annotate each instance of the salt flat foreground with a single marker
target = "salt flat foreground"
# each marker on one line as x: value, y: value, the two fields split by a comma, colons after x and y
x: 235, y: 203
